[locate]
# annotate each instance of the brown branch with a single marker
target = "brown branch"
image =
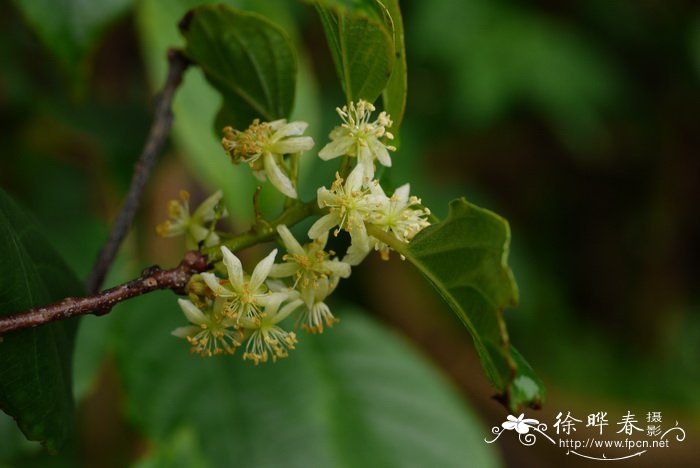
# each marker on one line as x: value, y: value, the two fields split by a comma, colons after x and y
x: 157, y: 137
x: 151, y: 279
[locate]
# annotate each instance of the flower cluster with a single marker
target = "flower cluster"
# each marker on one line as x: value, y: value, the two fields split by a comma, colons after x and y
x: 250, y: 308
x: 237, y: 309
x: 359, y: 201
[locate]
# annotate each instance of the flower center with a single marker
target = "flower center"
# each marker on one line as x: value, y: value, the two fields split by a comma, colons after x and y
x: 247, y: 146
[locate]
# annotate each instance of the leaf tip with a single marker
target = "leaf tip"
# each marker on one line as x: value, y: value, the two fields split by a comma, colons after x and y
x: 184, y: 24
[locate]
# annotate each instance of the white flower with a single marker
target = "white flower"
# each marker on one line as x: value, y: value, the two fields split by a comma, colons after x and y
x: 245, y: 295
x: 265, y: 338
x: 522, y: 426
x: 262, y: 147
x: 309, y: 263
x: 192, y: 226
x: 360, y: 138
x: 400, y: 214
x: 349, y: 206
x: 316, y: 312
x: 315, y: 278
x: 210, y: 333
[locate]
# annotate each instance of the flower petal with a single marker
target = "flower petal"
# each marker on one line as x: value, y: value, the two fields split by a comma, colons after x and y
x: 380, y: 152
x: 207, y: 210
x: 292, y: 145
x: 213, y: 282
x: 338, y: 268
x: 358, y: 231
x: 290, y: 129
x: 197, y: 233
x: 278, y: 286
x: 308, y: 295
x: 278, y: 178
x: 402, y: 193
x: 355, y: 179
x: 272, y: 302
x: 287, y: 309
x: 319, y: 244
x: 192, y: 312
x: 277, y: 124
x: 324, y: 197
x: 234, y: 268
x: 323, y: 225
x: 337, y: 147
x: 356, y: 254
x: 184, y: 332
x: 283, y: 270
x: 262, y: 270
x: 289, y: 241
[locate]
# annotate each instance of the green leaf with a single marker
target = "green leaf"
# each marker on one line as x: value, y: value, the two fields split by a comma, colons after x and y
x: 394, y: 95
x: 361, y: 46
x: 70, y: 29
x: 465, y: 258
x: 35, y: 364
x: 357, y: 395
x: 196, y: 104
x: 247, y: 58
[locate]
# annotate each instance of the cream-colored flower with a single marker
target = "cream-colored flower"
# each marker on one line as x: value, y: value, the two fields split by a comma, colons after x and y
x: 263, y: 145
x: 245, y: 296
x: 210, y: 333
x: 349, y: 205
x: 308, y: 263
x: 193, y: 226
x: 266, y: 339
x: 360, y: 138
x: 316, y: 313
x: 400, y: 215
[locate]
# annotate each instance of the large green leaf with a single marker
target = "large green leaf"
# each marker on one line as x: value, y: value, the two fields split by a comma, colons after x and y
x: 196, y: 103
x: 357, y: 395
x: 361, y: 45
x: 465, y: 258
x: 247, y: 58
x: 35, y: 364
x: 71, y: 28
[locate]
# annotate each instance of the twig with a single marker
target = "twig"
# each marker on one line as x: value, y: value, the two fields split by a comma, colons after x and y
x: 142, y: 170
x: 154, y: 278
x: 151, y: 279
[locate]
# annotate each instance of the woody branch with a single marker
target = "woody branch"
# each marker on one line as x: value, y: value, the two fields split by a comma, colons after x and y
x: 151, y: 279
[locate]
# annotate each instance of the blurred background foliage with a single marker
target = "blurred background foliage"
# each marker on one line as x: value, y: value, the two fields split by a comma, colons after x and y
x: 577, y: 121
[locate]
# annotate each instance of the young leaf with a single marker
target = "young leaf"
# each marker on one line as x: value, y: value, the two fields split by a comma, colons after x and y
x: 361, y: 46
x: 465, y: 258
x: 358, y: 395
x: 247, y: 58
x: 35, y: 364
